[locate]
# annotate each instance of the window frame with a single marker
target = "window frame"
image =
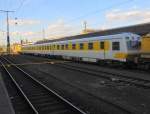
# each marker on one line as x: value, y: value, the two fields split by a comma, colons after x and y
x: 90, y: 47
x: 116, y: 47
x: 62, y: 46
x: 74, y: 46
x: 58, y: 47
x: 66, y: 46
x: 81, y: 46
x: 102, y: 45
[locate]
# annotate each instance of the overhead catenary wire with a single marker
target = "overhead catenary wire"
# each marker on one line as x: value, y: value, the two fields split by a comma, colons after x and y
x: 100, y: 10
x: 82, y: 16
x: 95, y: 12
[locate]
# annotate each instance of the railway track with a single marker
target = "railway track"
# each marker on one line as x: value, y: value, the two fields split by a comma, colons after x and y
x: 39, y: 97
x: 18, y: 102
x: 115, y: 77
x: 118, y: 106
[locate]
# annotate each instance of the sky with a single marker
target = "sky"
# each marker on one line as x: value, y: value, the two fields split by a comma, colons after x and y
x: 50, y: 19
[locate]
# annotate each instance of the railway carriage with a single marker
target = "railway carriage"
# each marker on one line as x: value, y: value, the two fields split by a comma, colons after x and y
x: 144, y: 57
x: 119, y: 47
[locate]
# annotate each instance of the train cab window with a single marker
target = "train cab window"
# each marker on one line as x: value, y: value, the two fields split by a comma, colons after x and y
x: 73, y: 46
x: 133, y: 45
x: 115, y: 46
x: 62, y: 47
x: 81, y: 45
x: 66, y: 46
x: 90, y: 46
x: 102, y: 45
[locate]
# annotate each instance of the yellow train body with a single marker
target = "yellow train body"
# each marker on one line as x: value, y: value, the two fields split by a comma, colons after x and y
x: 145, y: 47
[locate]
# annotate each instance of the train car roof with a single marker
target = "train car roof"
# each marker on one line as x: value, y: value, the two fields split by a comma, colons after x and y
x: 86, y: 39
x: 140, y: 29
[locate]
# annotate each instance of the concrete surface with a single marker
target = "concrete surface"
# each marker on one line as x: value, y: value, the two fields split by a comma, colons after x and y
x: 5, y: 103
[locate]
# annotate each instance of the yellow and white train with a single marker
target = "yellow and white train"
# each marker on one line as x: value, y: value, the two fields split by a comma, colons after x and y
x: 121, y: 47
x: 144, y: 57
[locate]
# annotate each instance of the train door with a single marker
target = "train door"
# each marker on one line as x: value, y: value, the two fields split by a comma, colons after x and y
x: 107, y: 50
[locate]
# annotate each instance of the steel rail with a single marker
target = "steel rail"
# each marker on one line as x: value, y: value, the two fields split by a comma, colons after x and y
x: 132, y: 80
x: 18, y: 87
x: 48, y: 89
x: 100, y: 98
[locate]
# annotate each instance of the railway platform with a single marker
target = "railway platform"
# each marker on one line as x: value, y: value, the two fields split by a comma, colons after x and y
x: 5, y: 103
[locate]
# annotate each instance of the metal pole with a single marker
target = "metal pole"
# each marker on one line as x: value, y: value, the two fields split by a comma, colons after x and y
x: 8, y: 39
x: 85, y: 26
x: 43, y: 33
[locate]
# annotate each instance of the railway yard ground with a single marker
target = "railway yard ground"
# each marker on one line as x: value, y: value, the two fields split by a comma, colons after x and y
x: 87, y: 88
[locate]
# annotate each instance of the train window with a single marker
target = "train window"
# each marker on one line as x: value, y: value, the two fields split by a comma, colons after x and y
x: 57, y: 47
x: 66, y: 46
x: 73, y: 46
x: 54, y: 46
x: 50, y: 47
x: 127, y: 38
x: 116, y: 46
x: 133, y: 45
x: 90, y: 46
x: 62, y: 47
x: 47, y: 47
x: 81, y: 45
x: 102, y: 45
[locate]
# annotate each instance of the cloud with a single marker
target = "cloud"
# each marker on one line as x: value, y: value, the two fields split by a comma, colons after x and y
x: 25, y: 34
x: 23, y: 22
x: 60, y: 29
x: 143, y: 15
x: 54, y: 30
x: 118, y: 17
